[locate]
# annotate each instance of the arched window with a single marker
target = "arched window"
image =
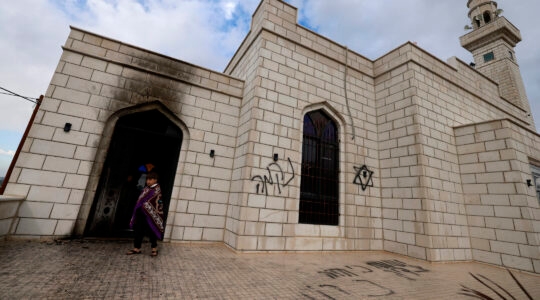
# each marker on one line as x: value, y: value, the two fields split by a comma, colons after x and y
x: 477, y: 21
x: 319, y: 188
x: 487, y: 17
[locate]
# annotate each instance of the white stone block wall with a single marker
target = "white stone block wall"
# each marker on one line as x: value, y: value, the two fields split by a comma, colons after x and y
x: 420, y: 124
x: 504, y: 70
x: 486, y: 90
x: 400, y: 173
x: 301, y: 71
x: 423, y: 215
x: 419, y: 99
x: 9, y: 210
x: 503, y: 213
x: 246, y: 69
x: 417, y: 105
x: 97, y: 80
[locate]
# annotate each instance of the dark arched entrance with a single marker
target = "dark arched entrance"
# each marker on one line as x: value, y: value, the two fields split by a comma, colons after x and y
x: 140, y: 140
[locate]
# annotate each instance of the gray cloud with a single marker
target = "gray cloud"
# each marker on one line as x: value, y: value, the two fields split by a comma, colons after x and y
x: 372, y: 28
x: 205, y: 33
x: 7, y: 152
x: 208, y: 32
x: 30, y: 40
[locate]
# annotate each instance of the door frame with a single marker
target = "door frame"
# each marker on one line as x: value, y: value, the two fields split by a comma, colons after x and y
x: 101, y: 156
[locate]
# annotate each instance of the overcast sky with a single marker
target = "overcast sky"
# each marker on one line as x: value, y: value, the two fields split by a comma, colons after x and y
x: 208, y: 32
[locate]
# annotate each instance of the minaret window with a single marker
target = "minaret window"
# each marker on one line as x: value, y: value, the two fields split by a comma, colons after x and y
x: 487, y: 17
x: 489, y: 56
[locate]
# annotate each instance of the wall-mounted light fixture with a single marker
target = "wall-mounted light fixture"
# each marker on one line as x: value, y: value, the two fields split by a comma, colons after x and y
x: 275, y: 156
x: 529, y: 182
x: 212, y: 153
x: 67, y: 127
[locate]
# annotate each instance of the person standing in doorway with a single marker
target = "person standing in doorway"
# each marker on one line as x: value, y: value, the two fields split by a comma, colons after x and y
x: 147, y: 218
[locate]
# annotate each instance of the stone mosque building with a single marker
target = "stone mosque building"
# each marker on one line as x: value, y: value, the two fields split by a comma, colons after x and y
x: 300, y: 144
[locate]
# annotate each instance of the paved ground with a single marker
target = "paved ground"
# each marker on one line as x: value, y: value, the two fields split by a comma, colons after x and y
x: 89, y: 269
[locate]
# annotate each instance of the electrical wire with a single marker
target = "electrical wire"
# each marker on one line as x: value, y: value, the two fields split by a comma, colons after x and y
x: 10, y: 93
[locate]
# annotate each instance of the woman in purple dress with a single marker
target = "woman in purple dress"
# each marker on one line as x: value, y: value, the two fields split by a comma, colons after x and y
x: 147, y: 216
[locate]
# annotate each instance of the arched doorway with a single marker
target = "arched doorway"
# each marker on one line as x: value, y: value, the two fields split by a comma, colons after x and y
x: 319, y: 187
x: 141, y: 142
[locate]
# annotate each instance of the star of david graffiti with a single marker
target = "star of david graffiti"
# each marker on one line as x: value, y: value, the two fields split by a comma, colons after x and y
x: 363, y: 177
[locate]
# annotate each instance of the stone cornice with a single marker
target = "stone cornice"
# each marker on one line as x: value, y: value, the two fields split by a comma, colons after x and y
x: 501, y: 28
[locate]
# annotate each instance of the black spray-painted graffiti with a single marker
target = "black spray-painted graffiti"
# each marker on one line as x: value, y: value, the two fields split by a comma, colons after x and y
x: 378, y: 290
x: 492, y: 286
x: 355, y: 273
x: 364, y: 177
x: 273, y: 169
x: 339, y: 288
x: 397, y: 267
x: 330, y: 291
x: 322, y: 292
x: 339, y: 272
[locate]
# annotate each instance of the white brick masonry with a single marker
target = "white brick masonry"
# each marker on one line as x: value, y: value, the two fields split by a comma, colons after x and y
x: 450, y: 156
x: 498, y: 225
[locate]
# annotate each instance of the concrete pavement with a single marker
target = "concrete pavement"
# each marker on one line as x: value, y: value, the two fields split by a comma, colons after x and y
x: 96, y: 269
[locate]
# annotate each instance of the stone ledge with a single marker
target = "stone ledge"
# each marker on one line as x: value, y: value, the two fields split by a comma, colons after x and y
x: 9, y: 209
x: 6, y: 198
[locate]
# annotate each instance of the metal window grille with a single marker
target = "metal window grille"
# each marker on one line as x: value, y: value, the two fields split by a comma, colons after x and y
x: 319, y: 188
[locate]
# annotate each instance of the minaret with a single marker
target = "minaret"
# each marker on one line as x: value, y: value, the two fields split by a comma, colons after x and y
x: 491, y: 42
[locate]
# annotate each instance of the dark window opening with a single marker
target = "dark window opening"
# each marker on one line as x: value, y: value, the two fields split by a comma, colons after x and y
x: 487, y: 17
x: 511, y: 55
x: 319, y: 188
x: 489, y: 57
x: 536, y: 177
